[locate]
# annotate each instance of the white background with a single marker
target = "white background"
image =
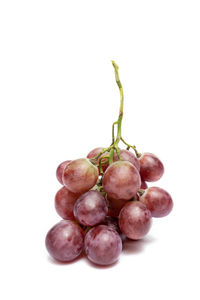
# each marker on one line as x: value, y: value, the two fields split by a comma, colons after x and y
x: 58, y: 101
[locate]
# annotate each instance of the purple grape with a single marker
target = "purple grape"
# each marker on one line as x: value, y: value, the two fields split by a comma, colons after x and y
x: 60, y: 170
x: 128, y: 156
x: 135, y: 220
x: 115, y: 205
x: 158, y: 201
x: 104, y: 161
x: 151, y: 168
x: 103, y: 245
x: 64, y: 203
x: 121, y: 180
x: 80, y: 175
x: 91, y: 208
x: 65, y: 241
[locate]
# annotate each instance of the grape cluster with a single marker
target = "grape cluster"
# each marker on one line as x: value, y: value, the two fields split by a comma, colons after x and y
x: 105, y: 199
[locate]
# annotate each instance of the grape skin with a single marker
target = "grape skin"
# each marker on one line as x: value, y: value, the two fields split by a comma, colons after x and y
x: 104, y: 161
x: 103, y: 245
x: 64, y: 203
x: 60, y: 170
x: 121, y: 180
x: 80, y: 175
x: 115, y: 205
x: 151, y: 168
x: 135, y: 220
x: 90, y: 208
x: 158, y: 201
x: 65, y: 241
x: 128, y: 156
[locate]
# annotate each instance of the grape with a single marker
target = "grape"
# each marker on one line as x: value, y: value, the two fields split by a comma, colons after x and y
x: 151, y: 168
x: 115, y: 205
x: 121, y: 180
x: 104, y: 161
x: 135, y: 220
x: 103, y: 245
x: 65, y: 241
x: 90, y: 208
x: 64, y: 203
x: 144, y: 185
x: 113, y: 223
x: 80, y: 175
x: 158, y: 201
x: 94, y: 152
x: 60, y: 170
x: 128, y: 156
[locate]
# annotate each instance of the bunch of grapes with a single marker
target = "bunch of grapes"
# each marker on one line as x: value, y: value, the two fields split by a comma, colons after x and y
x: 105, y: 199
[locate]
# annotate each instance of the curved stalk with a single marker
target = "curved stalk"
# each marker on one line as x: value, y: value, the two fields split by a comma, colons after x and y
x: 115, y: 141
x: 119, y: 121
x: 133, y: 147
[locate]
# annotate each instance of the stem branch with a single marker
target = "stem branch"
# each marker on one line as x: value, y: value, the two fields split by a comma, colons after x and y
x: 133, y: 147
x: 110, y: 151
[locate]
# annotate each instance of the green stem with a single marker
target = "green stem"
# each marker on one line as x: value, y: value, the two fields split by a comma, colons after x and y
x: 102, y: 163
x: 94, y: 159
x: 115, y: 141
x: 113, y: 132
x: 111, y: 156
x: 119, y: 121
x: 133, y: 147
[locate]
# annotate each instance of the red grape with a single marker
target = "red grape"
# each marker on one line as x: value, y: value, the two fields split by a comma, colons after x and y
x: 104, y: 161
x: 158, y: 201
x: 121, y: 180
x: 94, y: 152
x: 135, y: 220
x: 64, y: 203
x: 115, y: 205
x: 60, y: 170
x: 65, y: 241
x: 90, y: 208
x: 80, y: 175
x: 144, y: 185
x: 151, y: 168
x: 128, y: 156
x: 103, y: 245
